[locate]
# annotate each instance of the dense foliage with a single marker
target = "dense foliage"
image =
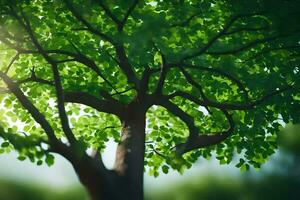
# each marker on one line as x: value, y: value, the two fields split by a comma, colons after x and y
x: 224, y: 75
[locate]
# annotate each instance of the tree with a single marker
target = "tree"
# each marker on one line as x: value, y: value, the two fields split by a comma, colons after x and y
x: 177, y: 79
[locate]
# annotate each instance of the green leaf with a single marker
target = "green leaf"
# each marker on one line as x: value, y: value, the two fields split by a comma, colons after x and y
x: 21, y: 158
x: 5, y: 144
x: 39, y: 162
x: 165, y: 169
x: 245, y: 167
x: 49, y: 159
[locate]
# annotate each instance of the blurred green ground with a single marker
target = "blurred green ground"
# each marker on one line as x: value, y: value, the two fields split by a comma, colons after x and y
x: 12, y: 190
x: 213, y: 188
x: 271, y: 187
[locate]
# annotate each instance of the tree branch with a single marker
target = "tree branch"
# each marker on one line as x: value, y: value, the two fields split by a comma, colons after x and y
x: 12, y: 62
x: 109, y: 13
x: 98, y: 104
x: 129, y: 11
x: 268, y: 50
x: 191, y: 81
x: 122, y: 92
x: 106, y: 106
x: 86, y: 23
x: 144, y: 82
x: 221, y: 33
x: 163, y: 73
x: 92, y: 65
x: 230, y: 106
x: 57, y: 81
x: 185, y: 22
x: 55, y: 145
x: 212, y: 40
x: 249, y: 45
x: 36, y: 79
x: 196, y: 140
x: 120, y: 51
x: 35, y: 113
x: 206, y: 140
x: 219, y: 72
x: 78, y: 57
x: 125, y: 65
x: 175, y: 110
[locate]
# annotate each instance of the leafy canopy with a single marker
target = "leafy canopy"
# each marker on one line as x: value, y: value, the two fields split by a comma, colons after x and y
x: 220, y: 76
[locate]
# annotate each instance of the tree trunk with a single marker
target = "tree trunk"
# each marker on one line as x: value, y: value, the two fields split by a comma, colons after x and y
x: 130, y: 155
x: 99, y: 182
x: 125, y: 182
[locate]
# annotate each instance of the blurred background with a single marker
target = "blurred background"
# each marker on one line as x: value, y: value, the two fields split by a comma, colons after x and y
x: 207, y: 180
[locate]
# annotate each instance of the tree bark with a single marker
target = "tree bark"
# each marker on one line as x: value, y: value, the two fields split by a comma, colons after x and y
x: 129, y: 163
x: 125, y: 181
x: 99, y: 182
